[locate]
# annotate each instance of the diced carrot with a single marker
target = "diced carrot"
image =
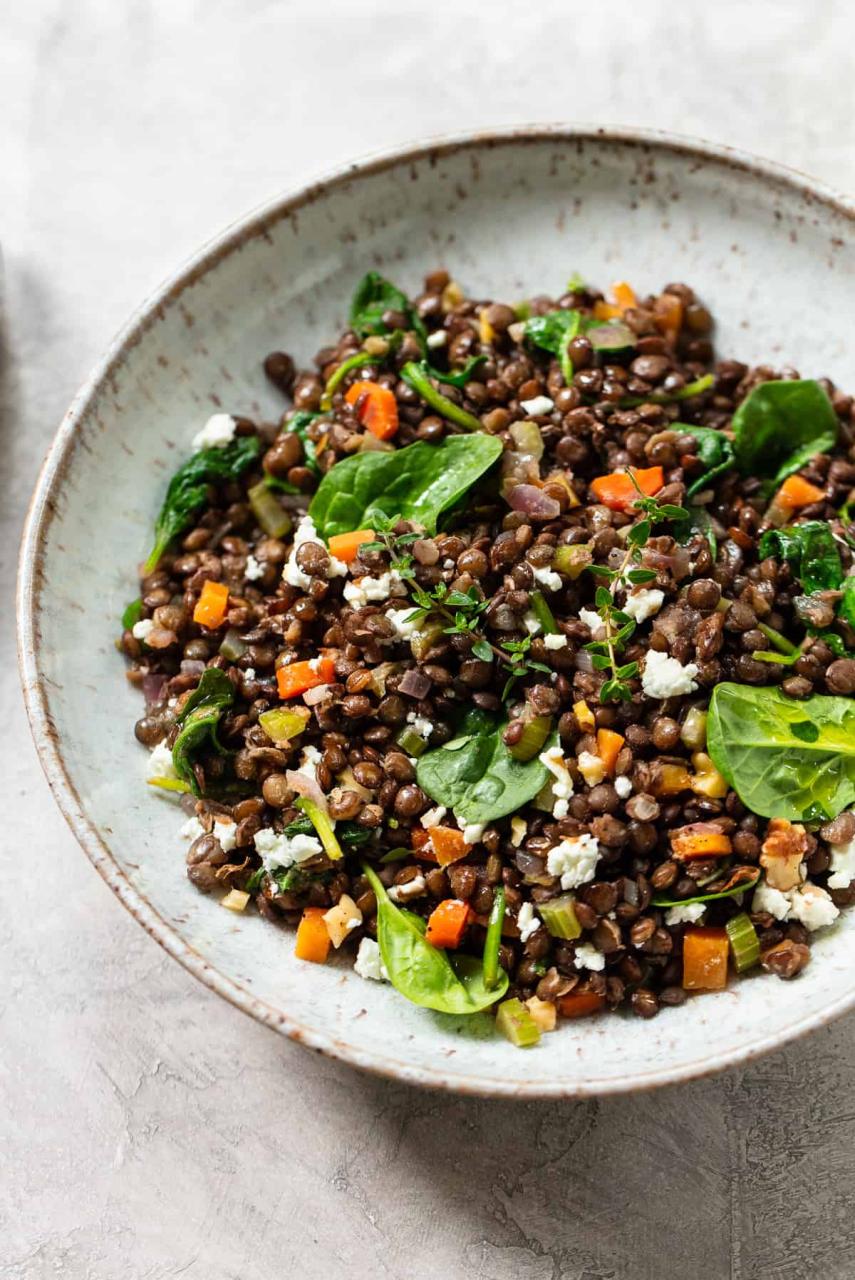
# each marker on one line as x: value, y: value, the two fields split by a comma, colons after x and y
x: 211, y: 606
x: 313, y: 941
x: 705, y: 959
x: 796, y: 492
x: 297, y: 677
x: 579, y: 1004
x: 617, y: 491
x: 448, y: 845
x: 609, y: 744
x: 584, y: 715
x: 668, y: 315
x: 376, y: 407
x: 447, y: 922
x: 624, y: 296
x: 700, y: 840
x: 344, y: 546
x: 670, y: 780
x: 605, y: 311
x: 420, y: 839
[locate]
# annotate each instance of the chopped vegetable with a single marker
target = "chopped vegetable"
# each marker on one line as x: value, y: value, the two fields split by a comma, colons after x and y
x: 411, y: 741
x: 494, y: 938
x: 345, y: 546
x: 796, y: 492
x: 232, y: 647
x: 553, y: 333
x: 296, y: 677
x: 283, y: 724
x: 670, y: 780
x: 580, y: 1004
x: 324, y: 827
x: 744, y: 943
x: 534, y: 735
x: 212, y: 605
x: 694, y: 729
x: 376, y: 407
x: 618, y: 492
x: 340, y: 373
x: 572, y: 560
x: 609, y: 745
x: 313, y: 940
x: 447, y: 923
x: 448, y: 845
x: 584, y: 716
x: 342, y: 919
x: 235, y: 900
x: 623, y: 295
x: 707, y: 781
x: 543, y: 613
x: 275, y: 521
x: 668, y: 315
x: 559, y: 916
x: 516, y: 1023
x: 700, y: 840
x: 705, y: 959
x: 418, y: 376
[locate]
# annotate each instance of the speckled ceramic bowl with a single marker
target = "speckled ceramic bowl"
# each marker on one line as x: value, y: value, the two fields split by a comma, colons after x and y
x: 773, y: 255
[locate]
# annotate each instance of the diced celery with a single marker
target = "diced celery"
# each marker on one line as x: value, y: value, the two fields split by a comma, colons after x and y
x: 543, y: 613
x: 410, y: 741
x: 494, y: 939
x: 559, y: 916
x: 281, y: 724
x: 527, y: 438
x: 321, y: 822
x: 515, y: 1022
x: 428, y: 634
x: 744, y: 943
x: 694, y: 730
x: 534, y: 735
x: 572, y: 560
x: 232, y: 647
x: 273, y: 519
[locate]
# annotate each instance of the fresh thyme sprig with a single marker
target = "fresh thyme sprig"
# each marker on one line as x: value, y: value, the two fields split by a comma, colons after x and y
x: 394, y: 545
x: 618, y: 626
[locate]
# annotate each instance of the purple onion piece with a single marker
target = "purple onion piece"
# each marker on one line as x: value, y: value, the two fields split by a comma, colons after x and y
x: 154, y: 687
x: 414, y: 684
x: 192, y: 667
x: 533, y: 502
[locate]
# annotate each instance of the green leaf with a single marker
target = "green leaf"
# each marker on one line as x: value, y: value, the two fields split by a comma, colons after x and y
x: 425, y: 974
x: 417, y: 483
x: 188, y: 488
x: 481, y: 649
x: 780, y: 426
x: 738, y: 881
x: 715, y: 451
x: 132, y: 615
x: 198, y: 719
x: 418, y: 376
x: 810, y: 551
x: 688, y: 392
x: 552, y: 333
x: 475, y: 774
x: 757, y: 740
x: 846, y: 608
x: 299, y: 423
x: 374, y: 295
x: 459, y: 377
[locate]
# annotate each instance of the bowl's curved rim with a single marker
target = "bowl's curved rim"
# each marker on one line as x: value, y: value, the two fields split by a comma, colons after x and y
x: 30, y: 583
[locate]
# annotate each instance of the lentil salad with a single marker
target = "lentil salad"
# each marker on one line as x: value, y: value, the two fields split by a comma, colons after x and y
x: 544, y: 705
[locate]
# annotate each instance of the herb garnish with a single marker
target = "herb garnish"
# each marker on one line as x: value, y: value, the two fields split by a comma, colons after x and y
x: 199, y: 718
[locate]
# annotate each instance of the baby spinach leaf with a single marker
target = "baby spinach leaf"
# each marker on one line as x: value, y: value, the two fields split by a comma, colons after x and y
x: 374, y: 295
x: 740, y: 880
x: 552, y: 333
x: 132, y: 614
x: 810, y: 551
x: 784, y: 759
x: 198, y: 719
x: 425, y: 974
x: 459, y: 377
x: 780, y: 426
x: 418, y: 483
x: 188, y: 488
x: 299, y: 423
x: 418, y: 374
x: 846, y: 608
x: 715, y: 451
x: 475, y: 774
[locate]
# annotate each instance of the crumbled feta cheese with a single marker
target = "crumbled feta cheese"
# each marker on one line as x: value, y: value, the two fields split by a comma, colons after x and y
x: 217, y: 432
x: 364, y: 590
x: 292, y: 573
x: 412, y: 889
x: 225, y: 833
x: 433, y: 817
x: 812, y: 907
x: 421, y: 724
x: 142, y: 629
x: 591, y: 768
x: 562, y: 786
x: 547, y: 577
x: 623, y: 787
x: 473, y: 831
x: 192, y: 830
x: 449, y: 564
x: 531, y: 622
x: 253, y: 570
x: 665, y: 677
x: 402, y: 624
x: 249, y: 674
x: 642, y: 604
x: 574, y: 860
x: 771, y: 900
x: 278, y: 850
x: 527, y: 921
x: 437, y: 339
x: 368, y: 963
x: 159, y: 766
x: 592, y: 621
x: 842, y: 865
x: 537, y: 405
x: 685, y: 915
x: 588, y: 957
x: 555, y: 641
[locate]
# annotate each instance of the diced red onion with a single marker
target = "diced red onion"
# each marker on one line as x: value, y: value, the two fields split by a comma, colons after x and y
x: 414, y: 684
x: 533, y: 502
x: 308, y: 787
x: 192, y: 667
x: 583, y: 663
x: 153, y: 686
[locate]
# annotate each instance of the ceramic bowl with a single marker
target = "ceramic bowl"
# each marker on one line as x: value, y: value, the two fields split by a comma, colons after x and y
x: 773, y: 255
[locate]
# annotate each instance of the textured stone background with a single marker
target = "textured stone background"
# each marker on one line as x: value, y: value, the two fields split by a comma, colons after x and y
x: 148, y: 1130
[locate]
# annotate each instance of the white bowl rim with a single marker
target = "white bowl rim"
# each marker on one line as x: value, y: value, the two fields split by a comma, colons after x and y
x: 30, y: 582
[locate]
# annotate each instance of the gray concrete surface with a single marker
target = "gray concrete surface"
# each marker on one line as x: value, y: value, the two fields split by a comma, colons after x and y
x: 147, y: 1130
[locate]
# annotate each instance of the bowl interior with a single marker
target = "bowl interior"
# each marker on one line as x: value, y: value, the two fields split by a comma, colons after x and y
x: 508, y: 217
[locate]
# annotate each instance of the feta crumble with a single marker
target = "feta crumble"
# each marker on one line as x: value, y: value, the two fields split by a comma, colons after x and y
x: 191, y: 830
x: 588, y: 957
x: 642, y: 604
x: 842, y: 865
x: 623, y: 787
x: 555, y: 641
x: 531, y: 622
x: 537, y: 405
x: 142, y: 629
x: 574, y: 860
x: 217, y: 432
x: 592, y: 621
x: 433, y: 817
x: 473, y: 831
x: 812, y: 907
x: 278, y: 850
x: 364, y: 590
x: 527, y: 921
x: 292, y: 573
x: 437, y: 339
x: 400, y: 620
x: 547, y: 577
x: 562, y: 786
x: 411, y: 889
x: 771, y: 900
x: 665, y: 677
x: 368, y: 963
x: 421, y: 724
x: 159, y: 766
x: 225, y: 833
x: 253, y: 570
x: 685, y: 915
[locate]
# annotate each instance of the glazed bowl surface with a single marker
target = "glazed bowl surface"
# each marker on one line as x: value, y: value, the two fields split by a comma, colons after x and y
x: 770, y: 252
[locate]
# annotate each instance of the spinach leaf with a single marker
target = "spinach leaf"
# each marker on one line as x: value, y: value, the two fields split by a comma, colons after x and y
x: 715, y: 451
x: 298, y: 423
x: 757, y: 740
x: 374, y: 295
x: 418, y: 483
x: 698, y: 520
x: 780, y: 426
x: 199, y: 718
x: 418, y: 374
x: 740, y: 880
x: 459, y: 377
x: 353, y: 836
x: 810, y: 551
x: 425, y: 974
x: 132, y: 614
x: 552, y: 333
x: 475, y: 774
x: 188, y: 488
x: 846, y: 608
